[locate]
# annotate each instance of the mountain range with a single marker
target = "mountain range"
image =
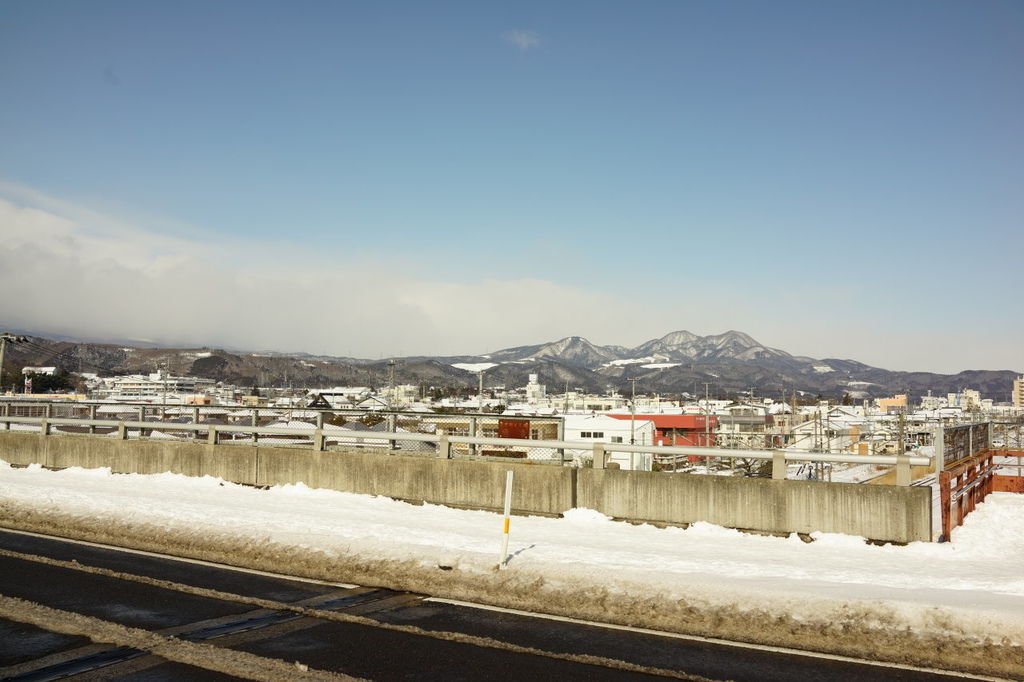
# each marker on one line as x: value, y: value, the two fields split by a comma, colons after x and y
x: 678, y: 363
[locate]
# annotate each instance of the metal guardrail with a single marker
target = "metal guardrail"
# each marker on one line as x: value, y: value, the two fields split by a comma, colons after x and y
x: 443, y: 444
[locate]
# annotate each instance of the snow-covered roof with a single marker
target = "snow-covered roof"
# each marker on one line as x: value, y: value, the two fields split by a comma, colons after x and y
x: 603, y: 421
x: 38, y: 370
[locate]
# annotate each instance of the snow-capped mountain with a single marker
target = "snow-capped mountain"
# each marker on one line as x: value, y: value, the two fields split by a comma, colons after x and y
x: 575, y: 350
x: 676, y: 363
x: 684, y: 346
x: 680, y: 346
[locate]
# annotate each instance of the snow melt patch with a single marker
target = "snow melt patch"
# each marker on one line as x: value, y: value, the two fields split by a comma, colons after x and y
x: 823, y: 369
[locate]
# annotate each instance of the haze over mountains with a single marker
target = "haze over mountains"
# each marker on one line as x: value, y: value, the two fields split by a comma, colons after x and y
x: 678, y: 362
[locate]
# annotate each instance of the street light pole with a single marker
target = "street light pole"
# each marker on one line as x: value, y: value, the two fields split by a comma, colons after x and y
x: 632, y: 414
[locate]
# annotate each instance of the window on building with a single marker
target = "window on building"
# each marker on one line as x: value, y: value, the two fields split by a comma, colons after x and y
x: 585, y: 434
x: 616, y: 439
x: 598, y: 434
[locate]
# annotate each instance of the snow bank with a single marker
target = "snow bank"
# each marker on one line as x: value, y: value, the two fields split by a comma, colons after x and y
x: 956, y: 605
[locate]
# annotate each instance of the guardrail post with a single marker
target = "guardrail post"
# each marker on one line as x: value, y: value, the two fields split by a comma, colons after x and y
x: 320, y: 419
x: 92, y: 417
x: 779, y: 466
x: 392, y: 427
x: 599, y: 456
x: 318, y: 440
x: 48, y: 410
x: 255, y: 423
x: 44, y: 426
x: 444, y: 448
x: 122, y: 431
x: 211, y: 435
x: 939, y: 442
x: 195, y: 415
x: 903, y: 470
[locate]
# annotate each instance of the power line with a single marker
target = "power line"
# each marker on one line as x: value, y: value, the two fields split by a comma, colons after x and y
x: 54, y: 354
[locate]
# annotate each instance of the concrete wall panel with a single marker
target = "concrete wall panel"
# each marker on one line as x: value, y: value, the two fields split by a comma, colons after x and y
x: 888, y: 513
x: 22, y: 448
x: 537, y: 488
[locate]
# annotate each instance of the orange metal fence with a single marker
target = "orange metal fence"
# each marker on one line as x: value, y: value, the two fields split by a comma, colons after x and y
x: 962, y: 487
x: 1003, y: 483
x: 966, y: 483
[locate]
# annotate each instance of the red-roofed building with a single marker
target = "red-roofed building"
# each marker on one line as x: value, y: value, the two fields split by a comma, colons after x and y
x: 679, y: 429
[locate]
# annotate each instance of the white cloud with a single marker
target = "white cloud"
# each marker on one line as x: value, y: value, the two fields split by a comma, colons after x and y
x: 524, y: 40
x: 68, y: 269
x: 65, y: 269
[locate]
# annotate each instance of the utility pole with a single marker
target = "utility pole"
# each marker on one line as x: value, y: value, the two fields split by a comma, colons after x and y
x: 902, y: 447
x: 480, y: 392
x: 707, y: 415
x: 391, y: 383
x: 632, y: 414
x: 4, y: 338
x: 163, y: 412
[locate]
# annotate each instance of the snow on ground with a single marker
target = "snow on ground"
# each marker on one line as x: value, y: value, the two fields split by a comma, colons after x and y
x: 920, y: 598
x: 979, y: 569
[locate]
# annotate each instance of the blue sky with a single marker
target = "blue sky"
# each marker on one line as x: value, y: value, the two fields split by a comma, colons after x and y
x: 835, y: 179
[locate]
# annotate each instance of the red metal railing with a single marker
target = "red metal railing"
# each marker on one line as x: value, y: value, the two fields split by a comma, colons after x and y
x: 1003, y: 483
x: 962, y: 487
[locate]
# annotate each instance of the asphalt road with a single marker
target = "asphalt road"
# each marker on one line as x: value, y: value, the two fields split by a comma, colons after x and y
x: 69, y: 610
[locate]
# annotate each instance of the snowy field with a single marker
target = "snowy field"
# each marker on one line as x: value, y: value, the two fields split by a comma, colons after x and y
x: 968, y: 590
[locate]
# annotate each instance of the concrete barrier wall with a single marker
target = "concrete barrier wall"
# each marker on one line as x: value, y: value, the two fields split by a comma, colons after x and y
x: 886, y: 513
x: 236, y: 464
x: 539, y: 489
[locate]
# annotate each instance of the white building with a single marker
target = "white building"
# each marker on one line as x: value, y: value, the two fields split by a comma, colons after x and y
x: 158, y: 385
x: 535, y: 391
x: 401, y: 396
x: 839, y: 429
x: 49, y: 371
x: 967, y: 399
x: 341, y: 397
x: 933, y: 402
x: 599, y: 428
